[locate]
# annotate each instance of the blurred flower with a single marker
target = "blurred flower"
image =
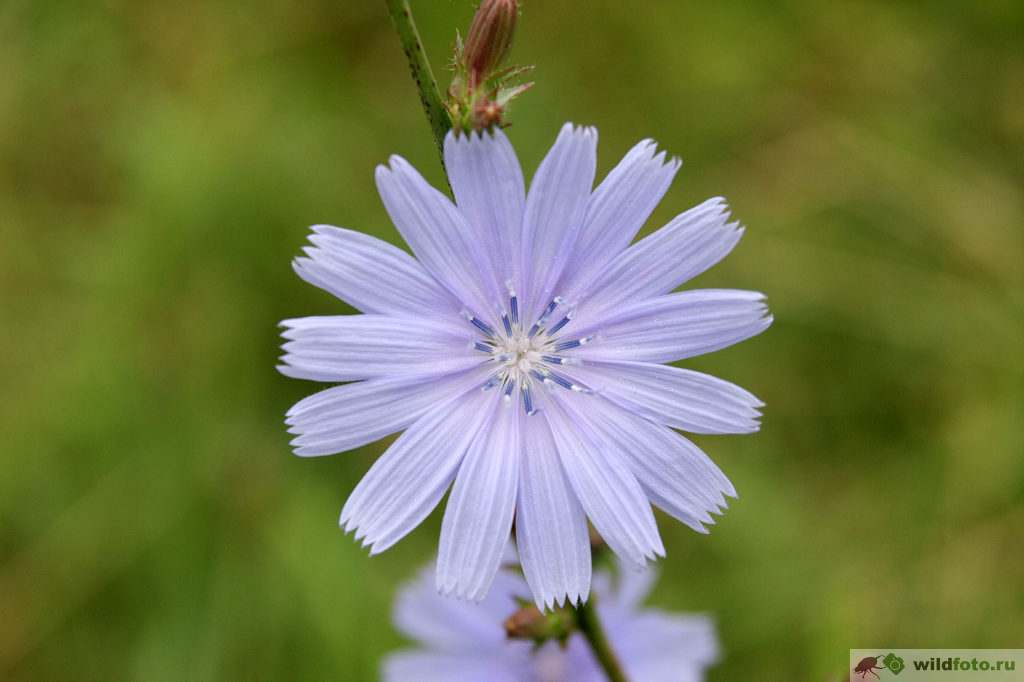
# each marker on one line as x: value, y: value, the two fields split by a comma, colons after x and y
x: 537, y: 300
x: 461, y: 641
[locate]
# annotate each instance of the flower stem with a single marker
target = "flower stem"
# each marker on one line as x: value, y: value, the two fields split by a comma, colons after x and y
x: 589, y: 624
x: 419, y: 66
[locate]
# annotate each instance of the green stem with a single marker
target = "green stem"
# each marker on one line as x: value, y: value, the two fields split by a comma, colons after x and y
x: 419, y: 66
x: 589, y: 624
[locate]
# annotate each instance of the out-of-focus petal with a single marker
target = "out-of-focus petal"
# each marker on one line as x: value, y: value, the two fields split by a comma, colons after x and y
x: 634, y: 586
x: 424, y: 614
x: 423, y: 666
x: 661, y: 646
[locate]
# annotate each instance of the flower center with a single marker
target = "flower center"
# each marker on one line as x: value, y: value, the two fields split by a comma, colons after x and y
x: 527, y: 357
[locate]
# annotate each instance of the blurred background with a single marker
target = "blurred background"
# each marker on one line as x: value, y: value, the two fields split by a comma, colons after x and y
x: 160, y: 164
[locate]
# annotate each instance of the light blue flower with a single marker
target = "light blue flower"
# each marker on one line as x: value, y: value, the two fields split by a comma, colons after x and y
x: 521, y: 353
x: 462, y: 641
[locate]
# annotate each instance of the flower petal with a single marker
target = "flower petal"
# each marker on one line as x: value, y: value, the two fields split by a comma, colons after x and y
x: 349, y: 265
x: 551, y: 526
x: 405, y: 484
x: 634, y: 587
x: 674, y: 473
x: 675, y: 326
x: 606, y: 488
x: 478, y: 518
x: 690, y: 244
x: 664, y: 646
x: 680, y: 398
x: 426, y: 616
x: 424, y: 666
x: 437, y: 233
x: 555, y: 208
x: 487, y: 182
x: 616, y: 211
x: 350, y: 347
x: 345, y: 417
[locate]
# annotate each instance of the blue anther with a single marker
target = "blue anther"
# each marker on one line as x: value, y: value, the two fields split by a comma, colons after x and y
x: 561, y: 323
x: 528, y: 400
x: 482, y: 326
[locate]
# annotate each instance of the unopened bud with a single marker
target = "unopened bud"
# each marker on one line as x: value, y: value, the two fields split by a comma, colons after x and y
x: 490, y: 37
x: 530, y: 623
x: 526, y: 623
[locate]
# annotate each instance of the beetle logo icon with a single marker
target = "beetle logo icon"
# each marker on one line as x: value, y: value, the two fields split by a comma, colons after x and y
x: 870, y: 664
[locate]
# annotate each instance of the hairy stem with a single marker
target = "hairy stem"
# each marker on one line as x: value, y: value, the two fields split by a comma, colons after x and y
x: 419, y: 66
x: 589, y: 624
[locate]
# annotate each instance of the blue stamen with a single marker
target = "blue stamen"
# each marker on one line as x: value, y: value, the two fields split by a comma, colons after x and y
x: 528, y: 401
x: 565, y: 383
x: 482, y: 326
x: 561, y: 381
x: 483, y: 347
x: 575, y: 343
x: 551, y: 307
x: 564, y: 321
x: 553, y: 359
x: 513, y: 304
x: 508, y: 325
x: 543, y: 319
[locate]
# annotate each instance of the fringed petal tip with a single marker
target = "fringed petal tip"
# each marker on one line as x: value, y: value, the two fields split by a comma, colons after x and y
x: 363, y: 536
x: 570, y: 128
x: 550, y: 602
x: 464, y: 138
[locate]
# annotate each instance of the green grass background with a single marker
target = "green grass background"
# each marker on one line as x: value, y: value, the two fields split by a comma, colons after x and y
x: 160, y: 163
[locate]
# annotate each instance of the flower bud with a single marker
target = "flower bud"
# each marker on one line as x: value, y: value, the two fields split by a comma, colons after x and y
x: 530, y: 623
x: 526, y: 623
x: 490, y: 37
